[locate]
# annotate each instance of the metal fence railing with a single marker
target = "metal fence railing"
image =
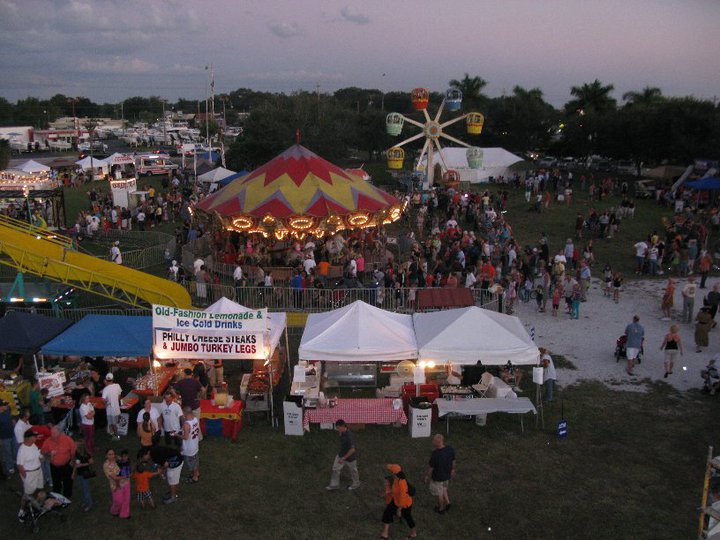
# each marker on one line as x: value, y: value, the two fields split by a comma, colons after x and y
x: 147, y: 248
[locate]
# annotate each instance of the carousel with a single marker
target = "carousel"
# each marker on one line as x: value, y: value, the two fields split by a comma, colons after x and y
x: 299, y: 193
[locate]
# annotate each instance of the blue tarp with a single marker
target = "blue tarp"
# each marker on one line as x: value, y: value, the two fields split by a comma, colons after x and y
x: 25, y: 333
x: 104, y: 335
x: 225, y: 181
x: 705, y: 184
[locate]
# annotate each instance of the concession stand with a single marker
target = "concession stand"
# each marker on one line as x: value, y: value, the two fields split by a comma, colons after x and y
x: 351, y: 342
x: 466, y: 341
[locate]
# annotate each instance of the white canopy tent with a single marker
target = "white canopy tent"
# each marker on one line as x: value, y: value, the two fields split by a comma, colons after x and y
x: 277, y: 321
x: 358, y: 332
x: 495, y: 162
x: 119, y: 159
x: 466, y: 335
x: 215, y: 175
x: 33, y: 166
x: 94, y: 164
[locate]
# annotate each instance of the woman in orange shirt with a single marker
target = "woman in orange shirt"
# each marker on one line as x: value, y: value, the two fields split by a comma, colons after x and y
x: 399, y: 501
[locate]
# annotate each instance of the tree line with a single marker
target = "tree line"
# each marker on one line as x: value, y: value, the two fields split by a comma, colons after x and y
x: 644, y: 126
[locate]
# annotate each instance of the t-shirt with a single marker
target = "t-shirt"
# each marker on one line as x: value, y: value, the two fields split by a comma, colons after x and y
x: 346, y: 443
x: 154, y: 415
x: 191, y: 445
x: 189, y: 388
x: 640, y: 249
x: 85, y: 408
x: 35, y: 405
x: 323, y: 268
x: 441, y: 461
x: 28, y: 457
x: 165, y: 454
x: 111, y: 395
x: 171, y: 416
x: 64, y: 448
x: 125, y: 468
x: 20, y: 428
x: 635, y: 334
x: 142, y: 481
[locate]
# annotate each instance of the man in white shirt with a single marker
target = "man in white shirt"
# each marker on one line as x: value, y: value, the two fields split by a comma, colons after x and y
x: 140, y: 217
x: 22, y: 425
x: 197, y: 265
x: 29, y: 466
x: 640, y: 250
x: 115, y: 255
x: 170, y: 414
x: 111, y: 395
x: 154, y: 414
x: 309, y: 263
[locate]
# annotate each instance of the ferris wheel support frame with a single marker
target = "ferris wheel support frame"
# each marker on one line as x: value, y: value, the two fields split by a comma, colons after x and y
x: 432, y: 130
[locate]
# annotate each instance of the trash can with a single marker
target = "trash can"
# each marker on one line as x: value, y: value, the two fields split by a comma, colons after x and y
x: 481, y: 419
x: 293, y: 416
x: 420, y: 420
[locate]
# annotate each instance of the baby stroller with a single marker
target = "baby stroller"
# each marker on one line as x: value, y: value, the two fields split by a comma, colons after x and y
x: 620, y: 351
x: 40, y: 504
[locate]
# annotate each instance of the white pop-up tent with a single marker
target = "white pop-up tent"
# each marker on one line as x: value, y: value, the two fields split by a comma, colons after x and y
x: 93, y: 164
x: 277, y: 320
x: 466, y: 335
x: 215, y: 175
x: 32, y: 166
x: 358, y: 332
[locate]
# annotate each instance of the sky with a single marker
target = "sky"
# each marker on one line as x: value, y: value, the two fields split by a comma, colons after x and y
x: 109, y: 50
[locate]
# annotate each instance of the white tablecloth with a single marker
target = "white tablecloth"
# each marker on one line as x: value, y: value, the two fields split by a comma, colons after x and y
x: 477, y: 406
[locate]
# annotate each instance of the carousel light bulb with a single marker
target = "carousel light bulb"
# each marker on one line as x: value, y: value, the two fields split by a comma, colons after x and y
x: 156, y: 364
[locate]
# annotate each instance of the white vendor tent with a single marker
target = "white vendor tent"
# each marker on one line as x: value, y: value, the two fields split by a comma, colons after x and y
x: 94, y: 164
x: 32, y: 166
x: 215, y: 175
x: 119, y: 159
x: 495, y: 163
x: 358, y: 332
x: 466, y: 335
x: 277, y: 321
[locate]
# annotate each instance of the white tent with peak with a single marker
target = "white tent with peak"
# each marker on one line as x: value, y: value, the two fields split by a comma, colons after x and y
x: 32, y: 166
x: 215, y: 175
x: 495, y: 162
x: 358, y: 332
x: 94, y: 164
x: 466, y: 335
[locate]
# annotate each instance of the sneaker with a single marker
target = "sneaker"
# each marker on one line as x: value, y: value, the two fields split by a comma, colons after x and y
x: 332, y: 488
x: 353, y: 487
x: 170, y: 500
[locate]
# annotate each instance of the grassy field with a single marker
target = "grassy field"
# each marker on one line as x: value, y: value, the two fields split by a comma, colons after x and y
x: 631, y: 467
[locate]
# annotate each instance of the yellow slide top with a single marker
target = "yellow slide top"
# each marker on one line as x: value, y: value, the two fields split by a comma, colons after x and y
x: 49, y: 255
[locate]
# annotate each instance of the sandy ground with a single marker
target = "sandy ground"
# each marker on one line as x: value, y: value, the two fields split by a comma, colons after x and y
x: 590, y: 341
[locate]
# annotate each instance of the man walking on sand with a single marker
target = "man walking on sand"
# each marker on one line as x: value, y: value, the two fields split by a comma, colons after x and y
x: 635, y: 334
x: 347, y: 456
x: 440, y: 472
x: 688, y: 296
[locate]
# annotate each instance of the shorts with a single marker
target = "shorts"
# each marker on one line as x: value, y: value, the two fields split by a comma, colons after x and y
x: 33, y: 481
x: 173, y: 475
x: 632, y: 352
x: 143, y: 496
x: 192, y: 462
x: 671, y: 355
x: 437, y: 488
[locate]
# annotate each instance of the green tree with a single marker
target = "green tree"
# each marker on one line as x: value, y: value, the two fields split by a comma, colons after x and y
x: 6, y: 112
x: 592, y: 97
x: 471, y: 88
x: 647, y: 97
x: 4, y: 154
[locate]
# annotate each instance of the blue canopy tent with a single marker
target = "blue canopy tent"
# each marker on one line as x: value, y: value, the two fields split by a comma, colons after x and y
x: 104, y: 335
x: 705, y: 184
x: 225, y: 181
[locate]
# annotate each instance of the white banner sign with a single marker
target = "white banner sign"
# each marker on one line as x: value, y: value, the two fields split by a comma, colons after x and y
x: 187, y: 333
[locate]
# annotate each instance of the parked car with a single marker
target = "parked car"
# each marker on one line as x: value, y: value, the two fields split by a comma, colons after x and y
x: 567, y: 163
x: 547, y: 162
x: 626, y: 167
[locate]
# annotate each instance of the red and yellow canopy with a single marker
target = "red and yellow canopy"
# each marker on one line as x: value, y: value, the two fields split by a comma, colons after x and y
x: 297, y: 193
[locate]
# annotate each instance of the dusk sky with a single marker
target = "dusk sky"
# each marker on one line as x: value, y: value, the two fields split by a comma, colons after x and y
x: 109, y: 50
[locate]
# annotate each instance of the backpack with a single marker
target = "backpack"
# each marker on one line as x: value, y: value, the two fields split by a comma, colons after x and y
x: 411, y: 488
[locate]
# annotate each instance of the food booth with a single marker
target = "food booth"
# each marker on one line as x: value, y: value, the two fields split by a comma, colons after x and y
x: 468, y: 340
x: 24, y: 334
x: 336, y: 343
x: 227, y: 331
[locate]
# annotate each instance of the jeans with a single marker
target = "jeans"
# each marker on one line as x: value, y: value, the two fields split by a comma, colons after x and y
x: 8, y: 451
x: 338, y: 467
x: 688, y: 307
x: 575, y: 313
x: 47, y: 476
x: 549, y: 389
x: 84, y: 485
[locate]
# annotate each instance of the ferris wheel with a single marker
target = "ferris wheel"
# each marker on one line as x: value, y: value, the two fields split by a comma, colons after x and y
x: 433, y: 130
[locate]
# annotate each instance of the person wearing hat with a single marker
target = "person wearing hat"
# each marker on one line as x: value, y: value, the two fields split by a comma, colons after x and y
x: 115, y: 255
x: 346, y: 457
x: 398, y: 499
x: 29, y: 466
x: 111, y: 395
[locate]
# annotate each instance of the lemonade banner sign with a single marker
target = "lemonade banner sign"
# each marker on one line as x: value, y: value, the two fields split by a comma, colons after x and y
x: 189, y: 333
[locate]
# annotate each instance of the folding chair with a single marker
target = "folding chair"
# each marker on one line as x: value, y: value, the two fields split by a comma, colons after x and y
x: 485, y: 383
